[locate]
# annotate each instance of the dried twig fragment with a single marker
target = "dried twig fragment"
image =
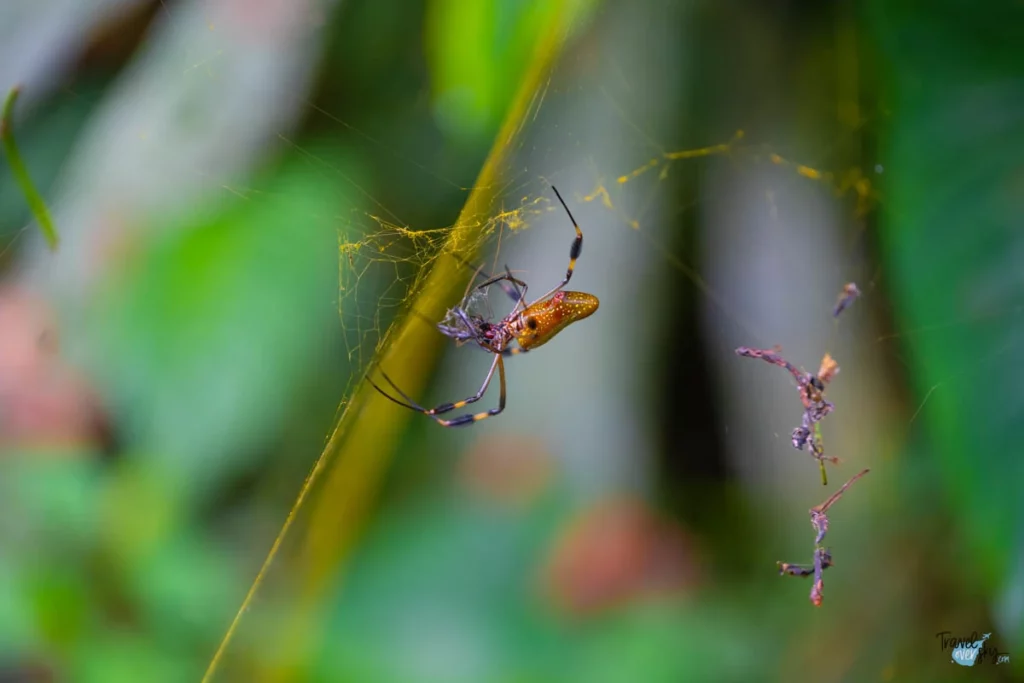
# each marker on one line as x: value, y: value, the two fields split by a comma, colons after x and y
x: 812, y: 395
x: 822, y: 555
x: 846, y: 297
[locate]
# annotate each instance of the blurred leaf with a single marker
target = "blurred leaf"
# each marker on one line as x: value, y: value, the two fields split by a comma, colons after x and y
x: 432, y: 593
x: 139, y: 508
x: 124, y: 657
x: 49, y: 508
x: 208, y: 336
x: 955, y: 244
x: 61, y: 600
x: 18, y: 630
x: 669, y: 642
x: 478, y: 52
x: 185, y: 589
x: 448, y: 590
x: 53, y: 499
x: 180, y: 583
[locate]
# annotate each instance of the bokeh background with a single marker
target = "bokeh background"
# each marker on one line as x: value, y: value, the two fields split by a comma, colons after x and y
x: 257, y: 199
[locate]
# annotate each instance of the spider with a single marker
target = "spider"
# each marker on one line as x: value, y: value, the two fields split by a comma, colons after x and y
x: 530, y: 325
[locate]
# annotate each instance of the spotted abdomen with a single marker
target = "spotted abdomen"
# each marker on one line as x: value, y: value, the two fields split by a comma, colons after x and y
x: 544, y: 319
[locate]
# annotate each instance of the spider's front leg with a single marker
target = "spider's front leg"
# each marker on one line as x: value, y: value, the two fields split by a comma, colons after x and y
x: 574, y: 251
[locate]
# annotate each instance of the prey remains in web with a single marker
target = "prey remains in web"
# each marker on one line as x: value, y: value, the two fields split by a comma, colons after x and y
x: 808, y: 437
x: 812, y: 389
x: 822, y: 555
x: 528, y: 326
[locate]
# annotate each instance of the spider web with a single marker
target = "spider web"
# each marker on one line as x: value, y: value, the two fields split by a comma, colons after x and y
x: 392, y: 261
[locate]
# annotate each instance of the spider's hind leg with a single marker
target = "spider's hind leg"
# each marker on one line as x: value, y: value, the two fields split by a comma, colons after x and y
x: 446, y: 407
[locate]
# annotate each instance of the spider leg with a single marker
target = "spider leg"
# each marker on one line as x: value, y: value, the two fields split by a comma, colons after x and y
x: 517, y: 296
x: 521, y: 300
x: 511, y: 289
x: 446, y: 407
x: 507, y: 277
x: 471, y: 418
x: 574, y: 251
x: 515, y: 284
x: 412, y: 405
x: 510, y: 285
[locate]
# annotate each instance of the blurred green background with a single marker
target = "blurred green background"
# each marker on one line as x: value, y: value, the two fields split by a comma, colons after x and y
x: 251, y: 193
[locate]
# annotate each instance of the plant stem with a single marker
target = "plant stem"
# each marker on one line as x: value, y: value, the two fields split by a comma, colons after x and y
x: 28, y: 188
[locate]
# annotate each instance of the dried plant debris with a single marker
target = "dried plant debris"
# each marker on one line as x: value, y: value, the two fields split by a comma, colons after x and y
x: 808, y: 437
x: 803, y: 570
x: 822, y: 555
x: 846, y: 297
x: 812, y: 395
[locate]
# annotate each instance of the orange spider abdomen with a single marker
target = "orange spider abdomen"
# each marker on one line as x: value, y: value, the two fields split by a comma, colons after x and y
x: 544, y: 319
